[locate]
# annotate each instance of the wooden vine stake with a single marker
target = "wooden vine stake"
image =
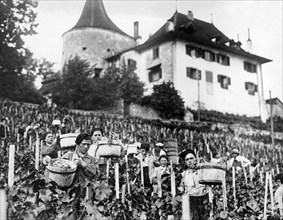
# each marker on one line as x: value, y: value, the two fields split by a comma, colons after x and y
x: 271, y: 194
x: 142, y: 176
x: 107, y: 167
x: 127, y: 174
x: 265, y: 195
x: 245, y: 172
x: 234, y: 184
x: 37, y: 152
x: 123, y: 193
x: 210, y: 198
x: 11, y: 165
x: 186, y: 207
x: 117, y: 180
x: 173, y: 180
x: 3, y: 207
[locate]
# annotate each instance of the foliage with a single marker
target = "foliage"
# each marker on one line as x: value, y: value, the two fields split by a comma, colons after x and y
x: 78, y: 90
x: 166, y: 100
x: 75, y: 87
x: 17, y: 20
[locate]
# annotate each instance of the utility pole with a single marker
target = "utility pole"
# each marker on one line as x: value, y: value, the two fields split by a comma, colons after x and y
x: 198, y: 97
x: 271, y: 123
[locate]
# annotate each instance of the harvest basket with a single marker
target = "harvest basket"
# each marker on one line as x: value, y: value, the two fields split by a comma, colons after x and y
x: 62, y: 175
x: 68, y: 140
x: 106, y: 150
x: 171, y: 147
x: 211, y: 174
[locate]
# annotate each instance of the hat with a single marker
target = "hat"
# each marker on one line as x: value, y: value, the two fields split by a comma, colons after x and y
x: 186, y: 152
x: 235, y: 151
x: 145, y: 146
x: 81, y: 137
x: 159, y: 144
x: 163, y: 156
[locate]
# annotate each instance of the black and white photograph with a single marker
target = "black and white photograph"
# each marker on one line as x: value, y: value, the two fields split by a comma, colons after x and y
x: 141, y: 110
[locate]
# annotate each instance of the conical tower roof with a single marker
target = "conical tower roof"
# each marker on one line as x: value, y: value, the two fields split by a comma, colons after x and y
x: 94, y: 15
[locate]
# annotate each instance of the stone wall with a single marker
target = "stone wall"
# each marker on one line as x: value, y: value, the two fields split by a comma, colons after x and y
x: 142, y: 112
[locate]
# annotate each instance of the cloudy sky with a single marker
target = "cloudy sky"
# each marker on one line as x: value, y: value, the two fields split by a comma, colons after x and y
x: 233, y: 18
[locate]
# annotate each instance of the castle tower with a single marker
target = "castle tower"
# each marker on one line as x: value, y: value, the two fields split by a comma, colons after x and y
x: 94, y: 37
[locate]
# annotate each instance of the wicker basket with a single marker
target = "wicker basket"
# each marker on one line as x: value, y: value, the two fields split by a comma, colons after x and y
x: 62, y: 176
x: 106, y: 150
x: 211, y: 174
x: 68, y: 140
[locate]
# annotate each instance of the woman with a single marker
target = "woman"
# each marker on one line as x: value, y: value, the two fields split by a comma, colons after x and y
x: 197, y: 192
x: 159, y: 172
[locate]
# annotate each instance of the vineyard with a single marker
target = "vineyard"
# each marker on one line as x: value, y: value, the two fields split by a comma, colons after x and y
x: 31, y: 196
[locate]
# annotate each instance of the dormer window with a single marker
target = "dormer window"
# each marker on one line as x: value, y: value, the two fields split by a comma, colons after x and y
x: 250, y: 67
x: 155, y: 53
x: 251, y: 88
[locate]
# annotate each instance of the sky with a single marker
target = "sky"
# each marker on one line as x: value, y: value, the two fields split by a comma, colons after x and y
x: 231, y: 17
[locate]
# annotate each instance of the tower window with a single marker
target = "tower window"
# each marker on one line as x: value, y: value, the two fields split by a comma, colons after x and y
x: 84, y: 48
x: 155, y: 73
x: 155, y: 53
x: 97, y: 72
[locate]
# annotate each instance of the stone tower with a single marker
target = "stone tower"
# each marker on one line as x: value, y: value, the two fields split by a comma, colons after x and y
x: 94, y: 37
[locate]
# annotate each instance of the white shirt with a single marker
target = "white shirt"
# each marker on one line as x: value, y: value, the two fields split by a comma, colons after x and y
x: 192, y: 185
x: 243, y: 160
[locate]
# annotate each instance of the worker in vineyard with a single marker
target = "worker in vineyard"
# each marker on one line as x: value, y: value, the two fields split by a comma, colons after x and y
x: 86, y: 164
x: 49, y: 147
x: 279, y: 194
x: 147, y: 161
x: 190, y: 185
x: 96, y: 136
x: 238, y: 161
x: 158, y: 151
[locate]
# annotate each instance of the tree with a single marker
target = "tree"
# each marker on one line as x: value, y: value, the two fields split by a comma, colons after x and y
x: 17, y: 20
x: 75, y: 88
x: 166, y: 101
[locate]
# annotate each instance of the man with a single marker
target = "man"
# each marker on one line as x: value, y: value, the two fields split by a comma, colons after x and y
x: 238, y: 161
x: 279, y: 193
x: 158, y: 151
x: 49, y: 147
x: 96, y: 135
x: 86, y: 164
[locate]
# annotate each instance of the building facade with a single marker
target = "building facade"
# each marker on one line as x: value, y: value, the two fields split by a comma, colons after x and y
x: 209, y: 70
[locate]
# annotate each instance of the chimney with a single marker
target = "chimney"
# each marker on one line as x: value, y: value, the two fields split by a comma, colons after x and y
x: 190, y: 16
x: 136, y: 30
x: 249, y: 43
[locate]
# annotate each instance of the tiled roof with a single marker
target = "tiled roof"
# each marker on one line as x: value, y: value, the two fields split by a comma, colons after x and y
x: 94, y: 15
x: 274, y: 100
x: 199, y: 32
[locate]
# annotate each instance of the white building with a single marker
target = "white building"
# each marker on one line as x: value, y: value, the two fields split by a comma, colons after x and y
x: 210, y: 70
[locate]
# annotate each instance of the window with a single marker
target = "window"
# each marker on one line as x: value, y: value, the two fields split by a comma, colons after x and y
x: 193, y: 73
x: 250, y: 67
x: 97, y: 72
x: 194, y: 51
x: 223, y: 59
x: 224, y: 81
x: 155, y: 73
x: 208, y: 76
x: 132, y: 63
x: 155, y: 53
x: 208, y: 55
x: 251, y: 88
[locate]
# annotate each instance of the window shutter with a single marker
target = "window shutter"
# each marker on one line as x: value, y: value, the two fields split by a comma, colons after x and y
x: 246, y: 85
x: 188, y: 71
x: 160, y: 73
x: 150, y: 77
x: 212, y: 56
x: 228, y: 61
x: 256, y: 89
x: 199, y: 74
x: 219, y: 78
x: 229, y: 80
x: 199, y: 53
